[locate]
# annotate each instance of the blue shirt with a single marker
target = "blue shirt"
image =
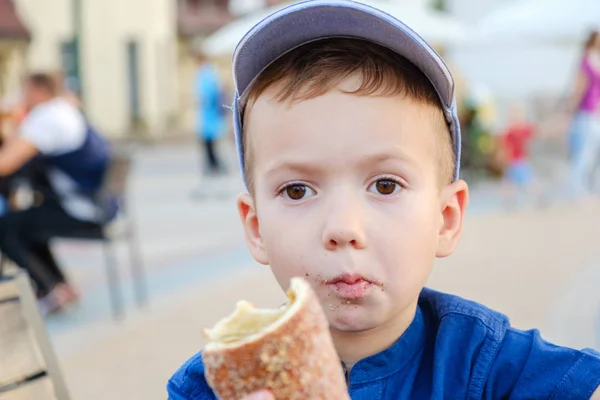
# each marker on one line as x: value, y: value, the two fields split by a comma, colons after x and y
x: 454, y: 349
x: 210, y: 105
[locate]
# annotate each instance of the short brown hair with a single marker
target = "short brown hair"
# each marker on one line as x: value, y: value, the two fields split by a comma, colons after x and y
x: 44, y: 81
x: 313, y: 69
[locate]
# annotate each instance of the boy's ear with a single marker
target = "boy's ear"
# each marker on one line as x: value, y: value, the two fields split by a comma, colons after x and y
x: 249, y: 218
x: 454, y: 200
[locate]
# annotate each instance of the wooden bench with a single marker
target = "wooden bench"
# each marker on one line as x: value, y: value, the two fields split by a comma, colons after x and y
x: 28, y: 365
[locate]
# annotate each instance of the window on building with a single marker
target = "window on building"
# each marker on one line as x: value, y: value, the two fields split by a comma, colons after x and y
x: 69, y: 61
x: 133, y: 80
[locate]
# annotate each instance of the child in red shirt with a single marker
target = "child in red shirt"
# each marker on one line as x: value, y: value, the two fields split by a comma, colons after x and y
x: 516, y: 140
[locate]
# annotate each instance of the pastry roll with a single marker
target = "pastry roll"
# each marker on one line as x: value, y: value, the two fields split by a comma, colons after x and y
x: 288, y: 351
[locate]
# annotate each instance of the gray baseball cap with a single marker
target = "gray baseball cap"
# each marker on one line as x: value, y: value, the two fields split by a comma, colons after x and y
x: 311, y: 20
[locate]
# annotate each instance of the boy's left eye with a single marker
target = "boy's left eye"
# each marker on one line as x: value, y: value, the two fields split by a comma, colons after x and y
x: 297, y: 192
x: 385, y: 187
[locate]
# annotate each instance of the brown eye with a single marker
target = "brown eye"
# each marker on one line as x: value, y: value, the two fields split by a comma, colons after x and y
x: 296, y: 192
x: 386, y: 187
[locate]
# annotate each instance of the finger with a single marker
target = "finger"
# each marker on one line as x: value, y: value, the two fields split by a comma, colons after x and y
x: 262, y: 395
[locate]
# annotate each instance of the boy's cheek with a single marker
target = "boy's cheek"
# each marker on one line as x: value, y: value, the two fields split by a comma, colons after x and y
x: 289, y: 261
x: 283, y: 272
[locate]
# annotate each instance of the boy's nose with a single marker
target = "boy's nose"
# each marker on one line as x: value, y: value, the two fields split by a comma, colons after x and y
x: 344, y: 228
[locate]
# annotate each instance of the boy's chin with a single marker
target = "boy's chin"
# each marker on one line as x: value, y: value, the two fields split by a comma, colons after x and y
x: 352, y: 319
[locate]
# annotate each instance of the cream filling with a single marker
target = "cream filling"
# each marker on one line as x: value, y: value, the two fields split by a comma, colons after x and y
x: 248, y: 322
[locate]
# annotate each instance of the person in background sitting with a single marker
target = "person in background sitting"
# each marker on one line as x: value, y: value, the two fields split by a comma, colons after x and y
x: 69, y: 155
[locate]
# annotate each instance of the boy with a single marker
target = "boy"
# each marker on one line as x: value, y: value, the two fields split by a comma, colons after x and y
x: 349, y: 143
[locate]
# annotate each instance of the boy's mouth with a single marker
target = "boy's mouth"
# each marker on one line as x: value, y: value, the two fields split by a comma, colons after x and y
x: 350, y: 286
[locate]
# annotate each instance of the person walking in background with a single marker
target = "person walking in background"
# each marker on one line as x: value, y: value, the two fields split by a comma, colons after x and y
x: 211, y: 110
x: 584, y: 105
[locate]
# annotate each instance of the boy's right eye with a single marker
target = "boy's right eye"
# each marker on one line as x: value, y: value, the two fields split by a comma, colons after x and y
x: 297, y: 192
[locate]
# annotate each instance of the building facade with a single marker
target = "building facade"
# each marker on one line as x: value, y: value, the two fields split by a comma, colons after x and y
x: 14, y: 41
x: 127, y: 65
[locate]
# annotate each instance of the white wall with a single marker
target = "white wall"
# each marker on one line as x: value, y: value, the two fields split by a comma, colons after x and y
x: 110, y: 24
x: 12, y: 65
x: 49, y: 23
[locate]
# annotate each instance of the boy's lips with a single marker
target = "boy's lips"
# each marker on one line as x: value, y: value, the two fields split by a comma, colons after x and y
x: 350, y: 286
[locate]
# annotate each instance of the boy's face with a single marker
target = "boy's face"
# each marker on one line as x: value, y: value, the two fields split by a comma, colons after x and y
x: 347, y: 195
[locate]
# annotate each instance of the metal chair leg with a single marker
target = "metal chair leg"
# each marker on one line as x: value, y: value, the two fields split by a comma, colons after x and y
x: 2, y: 264
x: 116, y: 295
x: 138, y: 275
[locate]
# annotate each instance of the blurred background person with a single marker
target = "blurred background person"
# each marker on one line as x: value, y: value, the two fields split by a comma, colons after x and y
x: 211, y: 114
x: 584, y: 105
x: 519, y: 173
x: 66, y: 160
x: 480, y: 144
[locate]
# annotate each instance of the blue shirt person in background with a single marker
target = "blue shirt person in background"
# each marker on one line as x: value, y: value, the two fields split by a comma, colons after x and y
x: 349, y: 142
x: 211, y: 110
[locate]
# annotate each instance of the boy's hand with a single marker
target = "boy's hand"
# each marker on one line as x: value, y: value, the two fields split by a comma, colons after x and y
x: 262, y: 395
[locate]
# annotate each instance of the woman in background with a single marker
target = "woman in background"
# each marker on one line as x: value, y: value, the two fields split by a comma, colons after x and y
x: 585, y: 108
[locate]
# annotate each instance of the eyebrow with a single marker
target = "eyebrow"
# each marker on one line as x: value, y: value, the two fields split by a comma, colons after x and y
x: 302, y: 168
x: 384, y: 156
x: 307, y: 168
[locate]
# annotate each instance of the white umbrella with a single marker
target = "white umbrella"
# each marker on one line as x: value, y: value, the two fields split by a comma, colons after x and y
x: 243, y: 7
x: 223, y: 41
x: 434, y: 26
x: 540, y: 20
